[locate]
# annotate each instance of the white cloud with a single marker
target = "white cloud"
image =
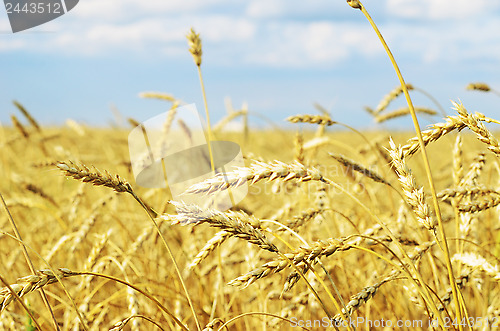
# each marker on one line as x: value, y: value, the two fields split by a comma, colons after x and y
x: 280, y: 33
x: 440, y: 9
x: 121, y: 10
x: 146, y: 34
x: 11, y: 44
x: 264, y: 9
x: 312, y: 44
x: 467, y: 43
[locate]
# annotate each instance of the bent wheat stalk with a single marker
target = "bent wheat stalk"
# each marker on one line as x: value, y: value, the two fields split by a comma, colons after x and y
x: 84, y: 173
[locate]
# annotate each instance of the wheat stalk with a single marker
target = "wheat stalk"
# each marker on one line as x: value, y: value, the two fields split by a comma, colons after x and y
x: 231, y: 116
x: 299, y: 148
x: 305, y: 217
x: 435, y: 132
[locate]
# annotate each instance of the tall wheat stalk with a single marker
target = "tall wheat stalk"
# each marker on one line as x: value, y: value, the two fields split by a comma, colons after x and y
x: 358, y: 5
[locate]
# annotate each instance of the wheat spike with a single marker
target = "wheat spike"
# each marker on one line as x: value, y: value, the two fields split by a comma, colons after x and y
x: 157, y: 95
x: 19, y: 126
x: 478, y: 87
x: 359, y: 168
x: 237, y: 223
x: 458, y: 170
x: 194, y: 42
x: 210, y: 246
x: 256, y: 172
x: 477, y: 206
x: 31, y: 283
x: 402, y: 112
x: 461, y: 192
x: 473, y: 122
x: 392, y: 95
x: 317, y: 249
x: 94, y: 176
x: 413, y: 195
x: 313, y: 119
x: 476, y: 261
x: 28, y: 116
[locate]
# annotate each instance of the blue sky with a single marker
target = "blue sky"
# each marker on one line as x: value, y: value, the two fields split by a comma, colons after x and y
x: 279, y: 56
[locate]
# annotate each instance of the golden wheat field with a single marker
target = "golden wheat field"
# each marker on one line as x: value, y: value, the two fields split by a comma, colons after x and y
x: 340, y: 229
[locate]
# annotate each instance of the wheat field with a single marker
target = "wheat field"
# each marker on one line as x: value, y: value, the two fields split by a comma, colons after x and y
x: 339, y: 230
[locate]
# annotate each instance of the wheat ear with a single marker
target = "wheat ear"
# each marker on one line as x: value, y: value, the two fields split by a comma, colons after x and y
x: 435, y: 132
x: 30, y: 284
x: 477, y: 206
x: 414, y: 196
x: 238, y: 223
x: 359, y: 168
x: 313, y: 119
x: 256, y: 172
x: 476, y: 261
x: 402, y: 112
x: 209, y: 247
x: 388, y: 98
x: 94, y: 176
x: 461, y: 192
x: 301, y: 255
x: 473, y: 121
x: 458, y: 169
x: 19, y: 126
x: 158, y: 95
x: 475, y: 169
x: 478, y: 87
x: 28, y: 116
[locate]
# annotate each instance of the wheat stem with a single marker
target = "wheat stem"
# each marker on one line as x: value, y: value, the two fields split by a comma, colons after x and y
x: 449, y: 266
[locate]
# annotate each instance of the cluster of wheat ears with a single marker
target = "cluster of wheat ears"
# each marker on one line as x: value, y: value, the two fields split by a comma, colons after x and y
x: 374, y: 234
